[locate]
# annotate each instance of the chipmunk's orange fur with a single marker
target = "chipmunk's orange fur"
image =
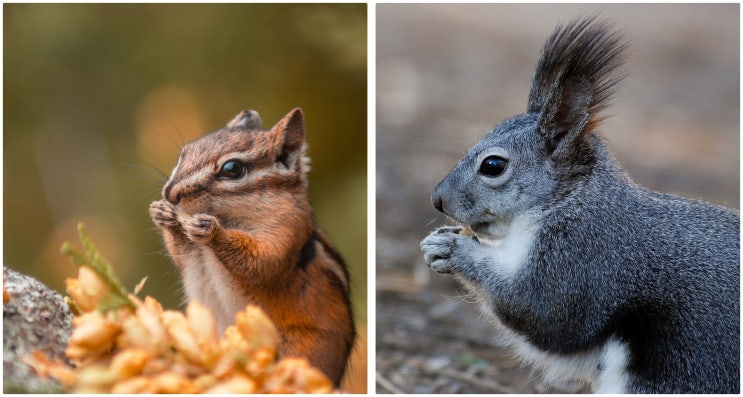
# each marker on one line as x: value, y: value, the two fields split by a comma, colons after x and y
x: 237, y: 222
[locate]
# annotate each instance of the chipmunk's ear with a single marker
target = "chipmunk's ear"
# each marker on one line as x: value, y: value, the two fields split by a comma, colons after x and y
x: 576, y: 75
x: 289, y: 138
x: 247, y: 119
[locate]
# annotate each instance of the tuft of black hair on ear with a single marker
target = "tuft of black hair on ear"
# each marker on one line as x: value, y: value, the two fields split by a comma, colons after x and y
x: 577, y: 74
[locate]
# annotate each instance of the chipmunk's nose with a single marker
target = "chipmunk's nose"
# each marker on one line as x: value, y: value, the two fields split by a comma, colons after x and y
x: 171, y: 196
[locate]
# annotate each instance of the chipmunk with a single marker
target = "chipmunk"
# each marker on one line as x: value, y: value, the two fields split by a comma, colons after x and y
x: 237, y: 221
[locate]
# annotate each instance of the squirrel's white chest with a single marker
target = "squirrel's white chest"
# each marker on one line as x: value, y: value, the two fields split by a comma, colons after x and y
x: 206, y: 280
x: 509, y: 253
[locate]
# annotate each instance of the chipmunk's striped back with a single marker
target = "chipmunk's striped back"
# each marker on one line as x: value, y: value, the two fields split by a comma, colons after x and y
x: 237, y: 222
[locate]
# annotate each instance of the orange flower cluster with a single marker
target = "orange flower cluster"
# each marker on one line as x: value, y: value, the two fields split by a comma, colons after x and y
x: 141, y: 348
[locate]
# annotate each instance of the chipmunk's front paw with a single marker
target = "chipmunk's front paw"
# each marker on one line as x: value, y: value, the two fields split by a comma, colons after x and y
x: 442, y: 247
x: 200, y: 228
x: 163, y: 214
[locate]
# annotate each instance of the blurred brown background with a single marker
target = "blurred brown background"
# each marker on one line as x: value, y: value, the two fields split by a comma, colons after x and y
x: 99, y: 99
x: 446, y: 74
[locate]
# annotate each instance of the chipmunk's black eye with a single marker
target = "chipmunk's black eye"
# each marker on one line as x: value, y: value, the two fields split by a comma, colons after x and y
x: 232, y: 169
x: 493, y: 166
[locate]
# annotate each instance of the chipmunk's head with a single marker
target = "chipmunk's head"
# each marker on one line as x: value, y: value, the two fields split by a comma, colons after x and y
x: 530, y: 161
x: 241, y: 162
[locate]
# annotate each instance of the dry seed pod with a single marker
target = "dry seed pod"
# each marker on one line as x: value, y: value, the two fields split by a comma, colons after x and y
x: 93, y: 335
x: 156, y: 365
x: 135, y: 335
x: 184, y: 367
x: 260, y: 361
x: 152, y: 304
x: 235, y: 384
x: 181, y: 336
x: 204, y: 382
x: 225, y: 364
x: 44, y: 367
x: 87, y: 289
x: 295, y: 375
x: 170, y: 382
x: 135, y: 385
x: 256, y: 327
x: 130, y: 362
x: 95, y: 379
x: 233, y: 340
x: 202, y: 324
x: 151, y: 322
x: 64, y: 374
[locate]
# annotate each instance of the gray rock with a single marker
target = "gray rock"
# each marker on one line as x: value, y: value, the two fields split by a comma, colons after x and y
x: 35, y: 318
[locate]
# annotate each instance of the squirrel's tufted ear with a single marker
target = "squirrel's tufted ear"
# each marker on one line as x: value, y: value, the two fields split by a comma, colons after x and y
x: 289, y: 136
x: 247, y: 119
x: 566, y: 115
x: 577, y: 73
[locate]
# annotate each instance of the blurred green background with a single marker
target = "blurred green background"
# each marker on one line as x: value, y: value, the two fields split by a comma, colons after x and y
x: 99, y: 99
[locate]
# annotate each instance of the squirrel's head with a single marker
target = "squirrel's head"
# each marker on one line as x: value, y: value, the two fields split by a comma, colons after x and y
x: 239, y: 163
x: 532, y: 160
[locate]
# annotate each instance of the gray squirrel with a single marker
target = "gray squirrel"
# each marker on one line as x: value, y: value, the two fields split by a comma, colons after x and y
x: 587, y: 275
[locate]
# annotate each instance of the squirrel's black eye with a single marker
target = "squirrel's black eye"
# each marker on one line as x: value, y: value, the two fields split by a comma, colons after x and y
x: 493, y: 166
x: 232, y: 169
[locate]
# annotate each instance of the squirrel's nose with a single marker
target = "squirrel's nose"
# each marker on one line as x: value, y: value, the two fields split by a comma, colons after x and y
x: 437, y: 202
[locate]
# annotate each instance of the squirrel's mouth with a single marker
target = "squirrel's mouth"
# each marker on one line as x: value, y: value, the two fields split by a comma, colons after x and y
x: 479, y: 233
x: 490, y: 226
x: 480, y: 228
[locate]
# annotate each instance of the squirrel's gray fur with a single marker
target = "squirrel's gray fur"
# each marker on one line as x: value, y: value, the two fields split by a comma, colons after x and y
x: 636, y: 291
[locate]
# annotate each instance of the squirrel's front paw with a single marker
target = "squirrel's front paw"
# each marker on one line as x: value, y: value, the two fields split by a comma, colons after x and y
x: 163, y: 214
x: 200, y: 228
x: 440, y: 247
